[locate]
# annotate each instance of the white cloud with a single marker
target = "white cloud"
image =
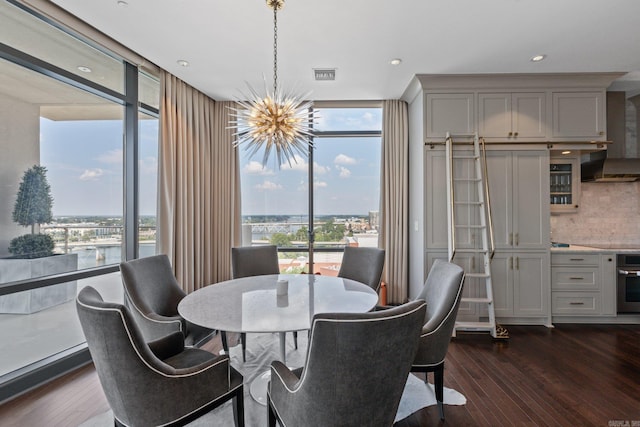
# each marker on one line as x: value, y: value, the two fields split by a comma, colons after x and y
x: 269, y: 186
x: 91, y: 174
x: 344, y: 172
x: 319, y: 169
x: 111, y: 157
x: 343, y: 159
x: 298, y: 163
x: 319, y: 184
x: 256, y: 168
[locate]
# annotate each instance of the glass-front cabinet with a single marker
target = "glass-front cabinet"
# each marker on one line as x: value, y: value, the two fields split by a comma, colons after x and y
x: 564, y: 183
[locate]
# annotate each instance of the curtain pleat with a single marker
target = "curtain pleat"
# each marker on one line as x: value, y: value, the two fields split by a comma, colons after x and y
x: 394, y: 199
x: 198, y: 185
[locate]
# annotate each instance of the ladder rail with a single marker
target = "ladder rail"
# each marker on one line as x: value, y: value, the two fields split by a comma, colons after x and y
x: 451, y: 212
x: 487, y: 197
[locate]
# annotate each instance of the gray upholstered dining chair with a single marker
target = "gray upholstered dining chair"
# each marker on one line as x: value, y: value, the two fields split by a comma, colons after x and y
x: 349, y: 378
x: 153, y: 383
x: 363, y: 265
x: 152, y: 293
x: 249, y: 261
x: 442, y: 292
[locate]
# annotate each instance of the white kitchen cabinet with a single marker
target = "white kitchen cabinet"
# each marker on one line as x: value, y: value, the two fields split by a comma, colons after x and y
x: 582, y: 284
x: 521, y: 284
x: 564, y: 183
x: 449, y: 112
x: 519, y: 197
x: 435, y: 184
x: 579, y: 115
x: 512, y: 116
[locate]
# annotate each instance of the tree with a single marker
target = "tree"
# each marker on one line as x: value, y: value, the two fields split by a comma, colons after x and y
x: 34, y: 200
x: 33, y: 206
x: 280, y: 239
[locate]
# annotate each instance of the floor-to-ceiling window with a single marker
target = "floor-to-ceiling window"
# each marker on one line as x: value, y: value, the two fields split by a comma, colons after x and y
x: 334, y: 192
x: 78, y: 150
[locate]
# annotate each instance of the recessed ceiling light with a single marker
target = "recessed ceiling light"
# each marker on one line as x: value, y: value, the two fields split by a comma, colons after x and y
x: 123, y: 3
x: 538, y: 58
x: 182, y: 63
x: 84, y: 69
x: 396, y: 61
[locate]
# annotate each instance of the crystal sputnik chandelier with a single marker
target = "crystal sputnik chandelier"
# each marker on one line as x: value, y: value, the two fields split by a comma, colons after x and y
x: 279, y: 121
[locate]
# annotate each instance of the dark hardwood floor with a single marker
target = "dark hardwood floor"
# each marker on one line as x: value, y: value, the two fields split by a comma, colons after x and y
x: 573, y: 375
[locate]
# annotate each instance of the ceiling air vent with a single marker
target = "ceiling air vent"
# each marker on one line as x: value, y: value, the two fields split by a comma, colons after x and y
x: 323, y: 74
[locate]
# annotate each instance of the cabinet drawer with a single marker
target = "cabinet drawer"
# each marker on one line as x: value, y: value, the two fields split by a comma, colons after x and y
x: 575, y: 303
x: 574, y: 278
x: 575, y: 259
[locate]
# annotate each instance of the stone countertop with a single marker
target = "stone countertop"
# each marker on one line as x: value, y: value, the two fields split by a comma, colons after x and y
x: 597, y: 250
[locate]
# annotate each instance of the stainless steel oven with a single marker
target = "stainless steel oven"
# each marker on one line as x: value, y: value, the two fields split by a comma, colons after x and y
x: 628, y: 283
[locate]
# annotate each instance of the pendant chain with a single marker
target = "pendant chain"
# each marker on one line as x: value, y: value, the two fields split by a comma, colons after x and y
x: 275, y: 50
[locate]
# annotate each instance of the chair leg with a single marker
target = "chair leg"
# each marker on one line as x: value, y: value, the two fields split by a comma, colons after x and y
x: 243, y: 339
x: 225, y: 344
x: 238, y: 408
x: 271, y: 415
x: 438, y: 379
x: 295, y: 339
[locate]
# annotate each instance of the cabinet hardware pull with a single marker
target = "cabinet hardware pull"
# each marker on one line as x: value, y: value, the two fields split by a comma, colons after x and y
x: 510, y: 239
x: 576, y: 278
x: 517, y: 239
x: 517, y: 263
x: 515, y: 134
x: 576, y: 259
x: 576, y: 303
x: 510, y: 133
x: 510, y: 263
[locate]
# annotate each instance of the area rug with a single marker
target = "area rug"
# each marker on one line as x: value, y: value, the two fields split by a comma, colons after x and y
x: 261, y: 350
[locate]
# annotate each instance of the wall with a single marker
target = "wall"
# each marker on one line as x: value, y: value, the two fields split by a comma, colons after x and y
x: 417, y: 256
x: 609, y: 216
x: 19, y: 150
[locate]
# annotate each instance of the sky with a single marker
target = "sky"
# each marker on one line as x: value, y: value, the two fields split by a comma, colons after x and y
x: 84, y: 161
x: 346, y: 172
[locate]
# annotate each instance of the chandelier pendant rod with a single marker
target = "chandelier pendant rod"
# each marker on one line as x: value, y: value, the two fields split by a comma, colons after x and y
x: 275, y: 50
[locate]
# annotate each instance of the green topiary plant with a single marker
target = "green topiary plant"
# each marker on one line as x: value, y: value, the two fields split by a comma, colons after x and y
x: 33, y: 206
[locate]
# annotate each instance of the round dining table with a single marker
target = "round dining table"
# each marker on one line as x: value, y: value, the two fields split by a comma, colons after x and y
x: 253, y: 304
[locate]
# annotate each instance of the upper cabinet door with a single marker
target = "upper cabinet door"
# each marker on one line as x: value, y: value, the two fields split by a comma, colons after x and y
x: 494, y: 115
x: 529, y: 115
x: 449, y: 112
x: 513, y: 117
x: 579, y: 116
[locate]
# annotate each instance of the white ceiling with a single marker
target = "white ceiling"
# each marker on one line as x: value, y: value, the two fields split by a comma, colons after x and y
x: 229, y: 43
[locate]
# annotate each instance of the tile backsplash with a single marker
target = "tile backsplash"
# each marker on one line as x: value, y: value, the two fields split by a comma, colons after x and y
x: 609, y: 215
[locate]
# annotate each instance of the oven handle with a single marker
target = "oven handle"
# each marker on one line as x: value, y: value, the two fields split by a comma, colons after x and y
x: 629, y: 272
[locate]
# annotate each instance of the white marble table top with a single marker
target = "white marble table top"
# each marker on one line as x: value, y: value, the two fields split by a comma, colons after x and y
x: 250, y: 304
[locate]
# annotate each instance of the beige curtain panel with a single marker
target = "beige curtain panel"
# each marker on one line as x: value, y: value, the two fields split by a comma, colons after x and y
x: 394, y: 200
x: 198, y: 185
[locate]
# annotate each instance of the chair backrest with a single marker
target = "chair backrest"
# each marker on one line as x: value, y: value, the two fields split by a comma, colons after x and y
x: 254, y: 261
x: 363, y: 265
x: 150, y: 285
x: 122, y: 358
x: 442, y: 292
x: 357, y: 365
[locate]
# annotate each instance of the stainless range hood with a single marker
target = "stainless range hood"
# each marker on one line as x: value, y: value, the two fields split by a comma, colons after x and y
x: 601, y: 169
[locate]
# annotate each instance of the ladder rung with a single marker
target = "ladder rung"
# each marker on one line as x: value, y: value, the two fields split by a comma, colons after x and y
x: 475, y: 326
x: 472, y: 251
x: 477, y: 300
x: 469, y: 203
x: 476, y: 275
